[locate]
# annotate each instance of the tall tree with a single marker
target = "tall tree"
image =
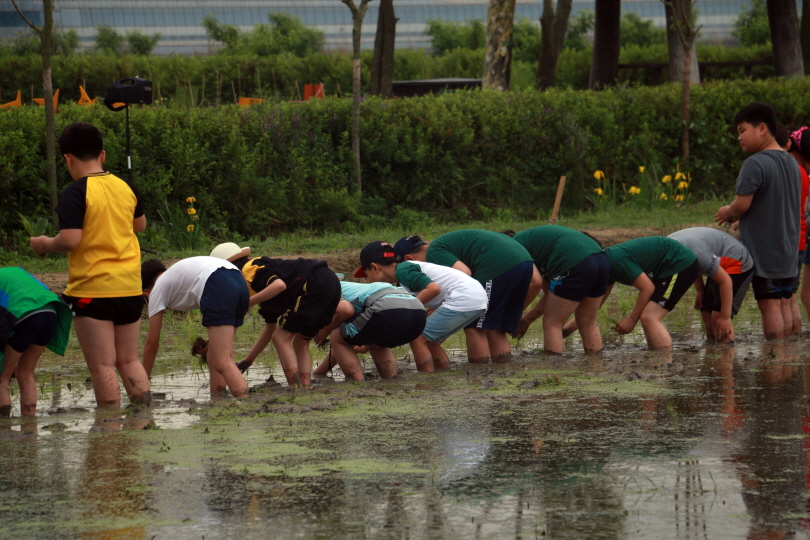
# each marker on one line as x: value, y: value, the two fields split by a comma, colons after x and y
x: 805, y: 32
x: 675, y: 50
x: 607, y: 32
x: 358, y: 14
x: 685, y: 22
x: 498, y: 46
x: 554, y: 25
x: 382, y: 63
x: 785, y: 40
x: 45, y: 34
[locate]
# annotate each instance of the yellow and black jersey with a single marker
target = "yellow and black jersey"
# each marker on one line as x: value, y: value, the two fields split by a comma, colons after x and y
x: 106, y: 264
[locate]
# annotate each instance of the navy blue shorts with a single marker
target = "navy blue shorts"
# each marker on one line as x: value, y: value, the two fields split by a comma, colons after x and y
x: 389, y: 327
x: 225, y: 298
x: 797, y: 279
x: 772, y: 289
x: 507, y: 294
x: 37, y: 329
x: 739, y: 286
x: 806, y: 258
x: 589, y: 277
x: 120, y: 311
x: 670, y: 290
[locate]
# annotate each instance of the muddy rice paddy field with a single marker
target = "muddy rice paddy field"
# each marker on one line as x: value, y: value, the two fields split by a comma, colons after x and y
x: 707, y: 441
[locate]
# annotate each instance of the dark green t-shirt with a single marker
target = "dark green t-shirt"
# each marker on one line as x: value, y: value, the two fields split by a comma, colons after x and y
x: 488, y: 254
x: 656, y: 256
x: 556, y: 249
x: 411, y: 277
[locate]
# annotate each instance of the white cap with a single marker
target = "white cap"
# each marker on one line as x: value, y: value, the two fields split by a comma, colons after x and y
x: 229, y: 251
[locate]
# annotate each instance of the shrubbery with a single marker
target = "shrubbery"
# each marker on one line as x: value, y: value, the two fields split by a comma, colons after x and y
x: 285, y: 166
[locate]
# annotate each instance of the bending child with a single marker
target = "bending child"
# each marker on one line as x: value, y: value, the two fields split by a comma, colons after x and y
x: 99, y: 215
x: 575, y: 274
x: 505, y: 270
x: 662, y: 270
x: 453, y: 298
x: 297, y: 297
x: 729, y: 268
x: 373, y: 317
x: 217, y: 289
x: 33, y: 318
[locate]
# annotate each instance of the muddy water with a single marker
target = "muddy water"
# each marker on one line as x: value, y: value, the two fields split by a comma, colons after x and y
x: 705, y: 442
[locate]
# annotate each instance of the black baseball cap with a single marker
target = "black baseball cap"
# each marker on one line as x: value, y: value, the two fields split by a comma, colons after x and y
x: 407, y: 244
x: 373, y: 252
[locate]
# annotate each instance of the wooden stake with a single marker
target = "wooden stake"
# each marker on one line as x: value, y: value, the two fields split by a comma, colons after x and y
x: 557, y: 201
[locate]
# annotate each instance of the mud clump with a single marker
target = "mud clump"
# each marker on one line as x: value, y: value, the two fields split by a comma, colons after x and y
x: 529, y: 384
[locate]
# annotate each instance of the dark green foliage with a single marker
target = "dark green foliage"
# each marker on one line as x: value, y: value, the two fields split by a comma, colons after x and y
x: 141, y: 44
x: 526, y: 38
x: 447, y: 36
x: 108, y: 40
x: 29, y: 43
x: 284, y: 34
x: 579, y: 25
x: 641, y: 33
x: 285, y: 166
x: 751, y: 27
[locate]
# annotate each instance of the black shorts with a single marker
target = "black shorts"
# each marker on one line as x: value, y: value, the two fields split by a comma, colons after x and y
x: 506, y: 295
x: 670, y: 290
x: 590, y: 277
x: 739, y: 287
x: 772, y: 289
x: 124, y: 310
x: 389, y: 328
x: 225, y: 299
x: 316, y: 306
x: 36, y: 329
x: 798, y: 277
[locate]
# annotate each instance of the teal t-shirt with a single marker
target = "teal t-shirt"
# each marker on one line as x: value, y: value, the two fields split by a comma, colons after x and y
x: 488, y: 254
x: 357, y: 293
x: 656, y: 256
x: 556, y: 249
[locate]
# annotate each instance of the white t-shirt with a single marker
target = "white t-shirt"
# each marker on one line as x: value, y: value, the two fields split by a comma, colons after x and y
x: 181, y: 286
x: 460, y: 292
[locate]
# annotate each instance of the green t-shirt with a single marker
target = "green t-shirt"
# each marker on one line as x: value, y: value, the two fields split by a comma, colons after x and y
x: 411, y: 277
x: 656, y: 256
x: 488, y: 254
x: 556, y: 249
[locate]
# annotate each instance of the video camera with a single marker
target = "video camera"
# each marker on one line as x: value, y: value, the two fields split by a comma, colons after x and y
x: 132, y: 90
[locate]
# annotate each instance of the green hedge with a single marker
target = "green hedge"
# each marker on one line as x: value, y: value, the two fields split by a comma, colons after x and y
x: 288, y: 166
x: 218, y: 79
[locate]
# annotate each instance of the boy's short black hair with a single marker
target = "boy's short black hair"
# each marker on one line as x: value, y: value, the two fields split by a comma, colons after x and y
x: 758, y: 113
x: 592, y: 237
x: 509, y: 232
x: 781, y: 135
x: 81, y: 139
x: 150, y: 270
x: 382, y: 262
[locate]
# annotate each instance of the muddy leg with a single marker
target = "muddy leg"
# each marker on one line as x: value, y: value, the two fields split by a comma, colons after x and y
x: 477, y: 346
x: 304, y: 356
x: 220, y: 362
x: 708, y: 323
x: 440, y: 359
x: 652, y: 322
x: 422, y: 355
x: 557, y: 312
x: 10, y: 360
x: 129, y: 366
x: 97, y: 340
x: 773, y: 322
x: 25, y: 378
x: 384, y: 359
x: 282, y: 340
x: 345, y: 356
x: 585, y: 315
x: 499, y: 347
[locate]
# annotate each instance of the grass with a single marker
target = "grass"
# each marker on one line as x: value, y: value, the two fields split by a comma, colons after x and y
x: 665, y: 220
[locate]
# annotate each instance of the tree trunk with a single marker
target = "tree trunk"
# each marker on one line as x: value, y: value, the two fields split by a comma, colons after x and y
x: 605, y: 63
x: 50, y: 115
x: 554, y: 26
x: 686, y: 95
x: 783, y: 20
x: 805, y: 33
x: 358, y: 14
x: 675, y: 49
x: 382, y: 63
x: 498, y: 47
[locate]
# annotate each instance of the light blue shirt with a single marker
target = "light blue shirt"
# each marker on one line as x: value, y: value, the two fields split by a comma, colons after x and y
x: 357, y: 293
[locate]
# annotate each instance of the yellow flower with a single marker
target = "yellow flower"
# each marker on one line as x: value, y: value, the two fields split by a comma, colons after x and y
x: 599, y: 175
x: 191, y: 211
x: 663, y: 197
x: 195, y: 218
x: 634, y: 190
x: 678, y: 197
x: 667, y: 179
x: 190, y: 228
x: 598, y: 191
x: 191, y: 200
x: 680, y: 176
x: 683, y: 185
x: 641, y: 169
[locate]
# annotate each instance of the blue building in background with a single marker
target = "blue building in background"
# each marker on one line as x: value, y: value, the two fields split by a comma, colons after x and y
x: 179, y: 21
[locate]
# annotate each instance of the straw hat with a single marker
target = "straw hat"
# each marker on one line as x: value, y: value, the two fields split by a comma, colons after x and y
x: 229, y: 251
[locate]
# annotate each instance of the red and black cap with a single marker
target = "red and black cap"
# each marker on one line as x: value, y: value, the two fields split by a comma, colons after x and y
x: 374, y: 252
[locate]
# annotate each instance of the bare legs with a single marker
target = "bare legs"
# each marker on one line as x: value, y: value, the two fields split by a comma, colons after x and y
x: 774, y: 321
x: 106, y: 348
x: 559, y: 310
x: 296, y: 360
x: 25, y: 363
x: 350, y: 364
x: 223, y: 372
x: 428, y: 355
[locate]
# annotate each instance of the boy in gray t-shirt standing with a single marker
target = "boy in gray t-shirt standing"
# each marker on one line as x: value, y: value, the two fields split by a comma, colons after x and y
x: 768, y: 193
